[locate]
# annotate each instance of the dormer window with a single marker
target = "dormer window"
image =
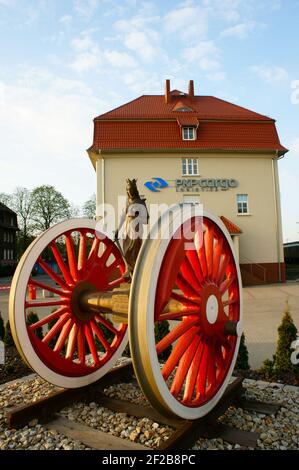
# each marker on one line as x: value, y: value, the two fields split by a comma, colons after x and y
x: 189, y: 133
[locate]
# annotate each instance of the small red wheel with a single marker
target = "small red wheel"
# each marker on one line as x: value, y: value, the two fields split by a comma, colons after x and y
x: 192, y: 281
x: 67, y: 346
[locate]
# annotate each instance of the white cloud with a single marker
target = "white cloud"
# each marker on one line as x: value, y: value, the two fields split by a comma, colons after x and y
x: 143, y: 43
x: 188, y: 20
x: 216, y: 76
x: 120, y: 59
x: 86, y: 8
x: 204, y: 55
x: 227, y: 9
x: 86, y: 61
x: 65, y: 20
x: 270, y: 74
x: 200, y: 51
x: 240, y: 30
x: 46, y: 126
x: 82, y: 43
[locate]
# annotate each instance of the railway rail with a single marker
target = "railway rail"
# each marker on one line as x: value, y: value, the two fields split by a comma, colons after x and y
x: 185, y: 432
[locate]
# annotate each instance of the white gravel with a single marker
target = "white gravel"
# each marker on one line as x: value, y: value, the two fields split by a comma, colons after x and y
x: 277, y: 432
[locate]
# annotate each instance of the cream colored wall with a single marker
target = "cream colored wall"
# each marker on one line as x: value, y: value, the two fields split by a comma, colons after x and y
x: 259, y: 242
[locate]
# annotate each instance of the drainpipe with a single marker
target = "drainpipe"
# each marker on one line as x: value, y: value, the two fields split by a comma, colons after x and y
x: 277, y: 211
x: 100, y: 166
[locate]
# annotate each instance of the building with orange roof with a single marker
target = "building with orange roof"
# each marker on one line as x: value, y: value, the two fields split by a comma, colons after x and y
x: 193, y: 148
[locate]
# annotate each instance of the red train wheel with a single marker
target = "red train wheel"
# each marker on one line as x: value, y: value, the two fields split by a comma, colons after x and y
x: 67, y: 346
x: 194, y: 283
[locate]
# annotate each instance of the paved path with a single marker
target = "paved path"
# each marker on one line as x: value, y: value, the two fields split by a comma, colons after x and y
x: 263, y: 308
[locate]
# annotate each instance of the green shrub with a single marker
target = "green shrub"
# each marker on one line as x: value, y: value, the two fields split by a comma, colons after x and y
x: 161, y: 330
x: 242, y: 359
x: 8, y: 339
x: 267, y: 368
x: 287, y: 333
x: 32, y: 318
x: 2, y: 329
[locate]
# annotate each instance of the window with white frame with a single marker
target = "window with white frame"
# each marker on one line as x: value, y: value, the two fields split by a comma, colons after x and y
x: 242, y: 203
x: 189, y: 166
x: 189, y: 133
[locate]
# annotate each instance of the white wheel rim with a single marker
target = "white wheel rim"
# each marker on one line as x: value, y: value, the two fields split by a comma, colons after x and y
x: 16, y: 305
x: 141, y: 318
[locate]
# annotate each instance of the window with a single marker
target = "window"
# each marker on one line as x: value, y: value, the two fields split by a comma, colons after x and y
x: 242, y: 203
x: 11, y: 254
x: 189, y: 133
x: 4, y: 255
x: 189, y: 166
x: 4, y: 236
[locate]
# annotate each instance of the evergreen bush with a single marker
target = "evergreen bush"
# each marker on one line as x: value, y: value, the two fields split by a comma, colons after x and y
x: 8, y: 339
x: 287, y: 333
x: 2, y: 329
x: 32, y: 318
x: 242, y: 359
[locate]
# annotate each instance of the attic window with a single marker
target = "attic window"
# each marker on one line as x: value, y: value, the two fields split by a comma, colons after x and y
x: 184, y: 109
x: 189, y: 133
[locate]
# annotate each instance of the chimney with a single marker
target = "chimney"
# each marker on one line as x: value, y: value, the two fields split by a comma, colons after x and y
x: 167, y: 91
x: 191, y: 89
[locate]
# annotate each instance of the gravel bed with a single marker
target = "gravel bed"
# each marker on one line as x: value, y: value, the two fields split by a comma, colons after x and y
x: 277, y: 432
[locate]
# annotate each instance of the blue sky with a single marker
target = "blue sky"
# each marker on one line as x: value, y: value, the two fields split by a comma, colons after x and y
x: 64, y: 62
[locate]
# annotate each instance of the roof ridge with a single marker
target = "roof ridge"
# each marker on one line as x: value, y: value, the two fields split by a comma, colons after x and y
x: 122, y: 106
x: 238, y: 106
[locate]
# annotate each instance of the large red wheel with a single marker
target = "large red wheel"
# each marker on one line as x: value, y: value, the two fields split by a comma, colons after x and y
x: 192, y: 280
x: 67, y: 346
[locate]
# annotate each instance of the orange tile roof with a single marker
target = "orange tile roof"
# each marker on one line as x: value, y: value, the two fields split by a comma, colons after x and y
x: 231, y: 227
x: 149, y: 123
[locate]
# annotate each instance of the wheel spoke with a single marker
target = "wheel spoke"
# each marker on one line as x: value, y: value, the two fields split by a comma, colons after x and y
x: 189, y: 275
x: 175, y: 333
x: 209, y: 248
x: 178, y: 315
x: 81, y: 346
x: 194, y: 261
x: 178, y: 351
x: 107, y: 324
x: 52, y: 303
x: 109, y: 269
x: 62, y: 266
x: 47, y: 319
x: 71, y: 256
x: 192, y: 303
x: 222, y: 268
x: 100, y: 335
x: 217, y: 257
x: 193, y: 373
x: 82, y: 252
x: 94, y: 251
x: 186, y: 288
x: 107, y: 252
x: 201, y: 253
x: 43, y: 286
x: 116, y: 282
x: 229, y: 302
x: 219, y: 358
x: 63, y: 335
x: 202, y: 376
x: 227, y: 283
x: 211, y: 374
x: 52, y: 274
x: 91, y: 343
x: 183, y: 367
x: 71, y: 342
x: 56, y: 328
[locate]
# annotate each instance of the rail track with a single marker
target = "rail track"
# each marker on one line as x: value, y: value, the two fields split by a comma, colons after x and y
x: 185, y: 432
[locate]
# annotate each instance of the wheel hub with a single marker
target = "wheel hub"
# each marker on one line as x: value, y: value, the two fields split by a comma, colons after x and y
x: 210, y: 309
x: 77, y: 307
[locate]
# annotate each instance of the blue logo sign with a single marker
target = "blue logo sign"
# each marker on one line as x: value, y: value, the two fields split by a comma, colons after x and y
x: 156, y: 184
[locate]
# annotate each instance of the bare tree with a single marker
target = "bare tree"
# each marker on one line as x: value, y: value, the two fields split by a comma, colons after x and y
x: 49, y: 206
x: 89, y: 207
